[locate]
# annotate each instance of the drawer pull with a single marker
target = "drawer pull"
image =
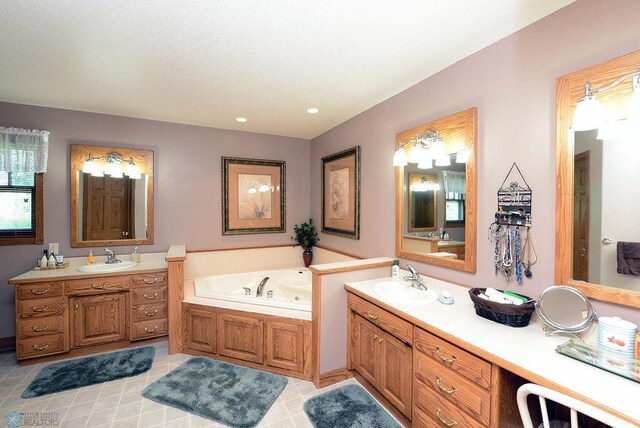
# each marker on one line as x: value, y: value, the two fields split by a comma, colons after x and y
x: 449, y: 424
x: 380, y: 340
x: 150, y: 314
x: 37, y: 309
x: 442, y: 388
x: 372, y: 315
x: 152, y: 330
x: 41, y: 348
x: 375, y: 337
x: 40, y: 293
x: 99, y: 287
x: 37, y: 330
x: 152, y: 281
x: 443, y: 358
x: 150, y: 296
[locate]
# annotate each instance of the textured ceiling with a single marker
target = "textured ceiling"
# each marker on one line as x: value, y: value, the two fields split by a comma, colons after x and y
x: 207, y: 62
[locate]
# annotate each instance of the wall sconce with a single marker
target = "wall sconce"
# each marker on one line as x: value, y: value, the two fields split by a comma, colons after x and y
x: 111, y: 164
x: 589, y: 113
x: 425, y: 186
x: 425, y: 150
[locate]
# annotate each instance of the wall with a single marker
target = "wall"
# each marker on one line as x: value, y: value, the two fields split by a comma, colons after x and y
x: 187, y: 183
x: 513, y: 84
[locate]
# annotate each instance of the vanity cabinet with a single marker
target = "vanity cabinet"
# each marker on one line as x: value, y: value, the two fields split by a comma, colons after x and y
x: 149, y: 305
x: 99, y: 319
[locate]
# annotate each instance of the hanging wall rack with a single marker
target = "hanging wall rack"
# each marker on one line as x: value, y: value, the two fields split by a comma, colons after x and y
x: 514, y: 200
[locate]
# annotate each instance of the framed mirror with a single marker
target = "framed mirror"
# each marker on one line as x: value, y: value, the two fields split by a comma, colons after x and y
x: 111, y: 196
x: 436, y: 187
x: 597, y: 172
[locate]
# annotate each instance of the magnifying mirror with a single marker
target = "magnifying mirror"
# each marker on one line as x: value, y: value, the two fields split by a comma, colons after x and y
x: 565, y: 310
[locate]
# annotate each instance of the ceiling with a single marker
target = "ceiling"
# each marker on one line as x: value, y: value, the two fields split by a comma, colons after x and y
x: 208, y: 62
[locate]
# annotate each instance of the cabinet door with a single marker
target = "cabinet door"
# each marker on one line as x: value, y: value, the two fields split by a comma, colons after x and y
x: 394, y: 376
x: 365, y: 354
x: 99, y: 319
x: 201, y: 329
x: 285, y: 345
x: 241, y: 338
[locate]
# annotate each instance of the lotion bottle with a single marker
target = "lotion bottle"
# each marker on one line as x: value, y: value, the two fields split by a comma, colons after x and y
x: 43, y: 260
x: 395, y: 270
x: 52, y: 260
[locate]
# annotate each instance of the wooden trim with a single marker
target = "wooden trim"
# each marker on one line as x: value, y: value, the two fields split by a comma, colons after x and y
x: 7, y: 343
x: 88, y: 275
x: 176, y: 296
x: 176, y: 253
x: 569, y: 89
x: 39, y: 202
x: 316, y: 307
x: 254, y: 247
x: 333, y: 250
x: 382, y: 399
x: 335, y: 376
x: 350, y: 268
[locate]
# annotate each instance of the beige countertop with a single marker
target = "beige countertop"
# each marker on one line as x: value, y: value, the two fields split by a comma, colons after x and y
x: 149, y: 262
x: 525, y: 351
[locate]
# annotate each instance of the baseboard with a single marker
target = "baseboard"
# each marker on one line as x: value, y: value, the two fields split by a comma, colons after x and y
x: 334, y: 376
x: 7, y: 343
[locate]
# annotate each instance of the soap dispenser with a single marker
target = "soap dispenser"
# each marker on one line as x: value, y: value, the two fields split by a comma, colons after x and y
x: 395, y: 270
x: 91, y: 259
x: 43, y: 259
x: 135, y: 256
x: 51, y: 262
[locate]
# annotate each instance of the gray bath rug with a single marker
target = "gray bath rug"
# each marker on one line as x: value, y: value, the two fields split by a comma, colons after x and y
x: 90, y: 371
x: 233, y: 395
x: 349, y: 406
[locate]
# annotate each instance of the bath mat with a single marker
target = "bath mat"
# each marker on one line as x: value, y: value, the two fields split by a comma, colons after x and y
x: 349, y: 406
x: 90, y: 371
x: 233, y: 395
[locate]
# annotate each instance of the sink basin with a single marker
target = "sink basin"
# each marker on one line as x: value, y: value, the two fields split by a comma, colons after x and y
x: 402, y: 292
x: 103, y: 267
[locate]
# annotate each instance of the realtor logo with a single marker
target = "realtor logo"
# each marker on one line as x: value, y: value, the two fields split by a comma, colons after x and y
x: 14, y: 419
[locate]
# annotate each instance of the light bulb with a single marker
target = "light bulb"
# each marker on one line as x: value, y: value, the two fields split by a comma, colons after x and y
x: 425, y: 163
x: 588, y: 115
x: 462, y: 156
x: 437, y: 150
x: 443, y: 160
x: 416, y: 153
x: 399, y: 158
x: 88, y: 166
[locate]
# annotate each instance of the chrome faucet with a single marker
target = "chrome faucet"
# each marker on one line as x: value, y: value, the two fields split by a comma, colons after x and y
x: 111, y: 257
x: 260, y: 288
x: 415, y: 279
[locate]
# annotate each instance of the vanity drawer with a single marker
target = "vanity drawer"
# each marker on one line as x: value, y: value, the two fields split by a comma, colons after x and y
x: 446, y: 383
x: 465, y: 364
x: 40, y: 345
x: 146, y: 329
x: 383, y: 319
x: 145, y: 295
x: 147, y: 279
x: 39, y: 291
x: 151, y: 311
x: 100, y: 285
x: 40, y: 326
x: 441, y: 412
x: 39, y: 308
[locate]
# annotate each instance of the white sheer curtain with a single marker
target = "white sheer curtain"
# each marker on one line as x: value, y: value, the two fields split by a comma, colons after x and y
x: 23, y: 150
x: 455, y: 184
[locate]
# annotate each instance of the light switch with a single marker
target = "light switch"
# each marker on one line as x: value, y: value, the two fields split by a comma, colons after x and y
x: 53, y: 248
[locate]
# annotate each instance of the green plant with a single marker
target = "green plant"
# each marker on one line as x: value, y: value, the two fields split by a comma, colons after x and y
x: 305, y: 234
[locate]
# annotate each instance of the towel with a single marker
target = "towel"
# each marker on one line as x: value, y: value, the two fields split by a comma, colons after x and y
x: 629, y: 258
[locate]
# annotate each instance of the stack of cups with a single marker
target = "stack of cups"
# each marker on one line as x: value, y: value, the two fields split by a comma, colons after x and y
x: 616, y: 339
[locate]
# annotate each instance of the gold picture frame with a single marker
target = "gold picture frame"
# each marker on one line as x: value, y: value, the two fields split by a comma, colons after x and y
x: 253, y: 196
x: 341, y: 193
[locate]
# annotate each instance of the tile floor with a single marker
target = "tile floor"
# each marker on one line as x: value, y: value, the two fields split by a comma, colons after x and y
x: 120, y: 403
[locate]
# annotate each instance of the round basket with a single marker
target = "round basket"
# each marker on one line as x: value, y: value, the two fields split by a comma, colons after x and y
x: 511, y: 315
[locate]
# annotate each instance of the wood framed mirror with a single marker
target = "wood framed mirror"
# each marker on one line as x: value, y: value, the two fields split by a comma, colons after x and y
x: 111, y: 207
x: 453, y: 190
x: 594, y: 175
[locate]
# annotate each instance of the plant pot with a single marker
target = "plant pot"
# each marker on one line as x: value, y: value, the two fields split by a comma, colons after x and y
x: 307, y: 256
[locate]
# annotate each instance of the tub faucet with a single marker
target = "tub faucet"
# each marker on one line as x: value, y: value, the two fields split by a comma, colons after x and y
x: 111, y: 257
x: 260, y: 288
x: 415, y: 279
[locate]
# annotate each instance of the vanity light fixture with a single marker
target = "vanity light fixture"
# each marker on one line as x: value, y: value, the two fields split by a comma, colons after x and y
x: 241, y: 119
x: 312, y: 110
x: 462, y: 156
x: 425, y: 186
x: 111, y: 166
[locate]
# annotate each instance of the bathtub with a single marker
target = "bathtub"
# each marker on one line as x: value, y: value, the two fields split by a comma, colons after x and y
x: 285, y: 288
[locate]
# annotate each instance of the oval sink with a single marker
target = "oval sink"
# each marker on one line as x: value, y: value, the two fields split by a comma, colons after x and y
x: 402, y: 292
x: 103, y: 267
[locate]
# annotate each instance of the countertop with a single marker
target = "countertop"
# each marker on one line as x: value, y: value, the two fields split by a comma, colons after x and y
x: 525, y: 351
x: 441, y: 242
x: 149, y: 262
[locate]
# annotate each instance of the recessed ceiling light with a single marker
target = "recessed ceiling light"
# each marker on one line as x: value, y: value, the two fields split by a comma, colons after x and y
x: 241, y: 119
x: 312, y: 110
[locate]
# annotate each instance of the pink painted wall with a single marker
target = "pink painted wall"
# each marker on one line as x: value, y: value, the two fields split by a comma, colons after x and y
x: 187, y: 183
x: 513, y: 84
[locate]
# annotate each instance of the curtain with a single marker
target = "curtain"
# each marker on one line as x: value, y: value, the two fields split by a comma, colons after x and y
x: 23, y: 150
x: 455, y: 184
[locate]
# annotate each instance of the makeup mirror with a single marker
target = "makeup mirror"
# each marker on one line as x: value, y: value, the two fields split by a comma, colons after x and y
x: 565, y: 310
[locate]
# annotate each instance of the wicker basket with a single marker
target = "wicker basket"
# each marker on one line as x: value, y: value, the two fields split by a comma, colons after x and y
x: 511, y: 315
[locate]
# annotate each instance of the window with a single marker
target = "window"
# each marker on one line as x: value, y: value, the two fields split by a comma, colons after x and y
x: 454, y: 213
x: 21, y: 208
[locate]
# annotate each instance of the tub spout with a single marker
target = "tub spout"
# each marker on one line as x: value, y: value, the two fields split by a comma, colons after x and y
x: 260, y: 288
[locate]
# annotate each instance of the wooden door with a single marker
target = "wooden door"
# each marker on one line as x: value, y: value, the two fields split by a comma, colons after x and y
x: 99, y: 319
x: 395, y: 372
x: 107, y: 208
x: 581, y: 217
x: 365, y: 354
x: 241, y: 338
x: 201, y: 329
x: 285, y: 345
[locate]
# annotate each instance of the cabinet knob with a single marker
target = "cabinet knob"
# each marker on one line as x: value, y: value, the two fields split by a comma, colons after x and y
x: 76, y: 306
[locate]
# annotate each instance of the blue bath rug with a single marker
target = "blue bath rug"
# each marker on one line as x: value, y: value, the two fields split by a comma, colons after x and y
x: 233, y: 395
x: 86, y: 371
x: 349, y: 406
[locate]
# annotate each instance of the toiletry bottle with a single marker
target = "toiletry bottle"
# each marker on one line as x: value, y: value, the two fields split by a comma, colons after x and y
x: 91, y: 258
x: 395, y: 270
x: 43, y: 260
x: 51, y: 262
x: 135, y: 256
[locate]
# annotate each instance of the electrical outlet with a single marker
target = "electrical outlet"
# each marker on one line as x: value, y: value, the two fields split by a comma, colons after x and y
x: 53, y: 248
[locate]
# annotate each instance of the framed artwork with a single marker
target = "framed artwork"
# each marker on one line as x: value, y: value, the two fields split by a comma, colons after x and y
x: 341, y: 193
x: 253, y: 196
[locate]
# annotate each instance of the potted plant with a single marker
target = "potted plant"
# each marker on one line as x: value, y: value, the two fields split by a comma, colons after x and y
x: 306, y: 237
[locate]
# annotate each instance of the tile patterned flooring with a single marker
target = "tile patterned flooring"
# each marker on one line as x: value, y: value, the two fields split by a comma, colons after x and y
x: 120, y: 403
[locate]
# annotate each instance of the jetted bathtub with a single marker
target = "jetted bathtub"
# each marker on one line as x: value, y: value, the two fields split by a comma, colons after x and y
x: 286, y: 288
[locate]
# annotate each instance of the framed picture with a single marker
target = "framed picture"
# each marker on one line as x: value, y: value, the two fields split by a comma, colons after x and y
x: 341, y: 193
x: 253, y: 196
